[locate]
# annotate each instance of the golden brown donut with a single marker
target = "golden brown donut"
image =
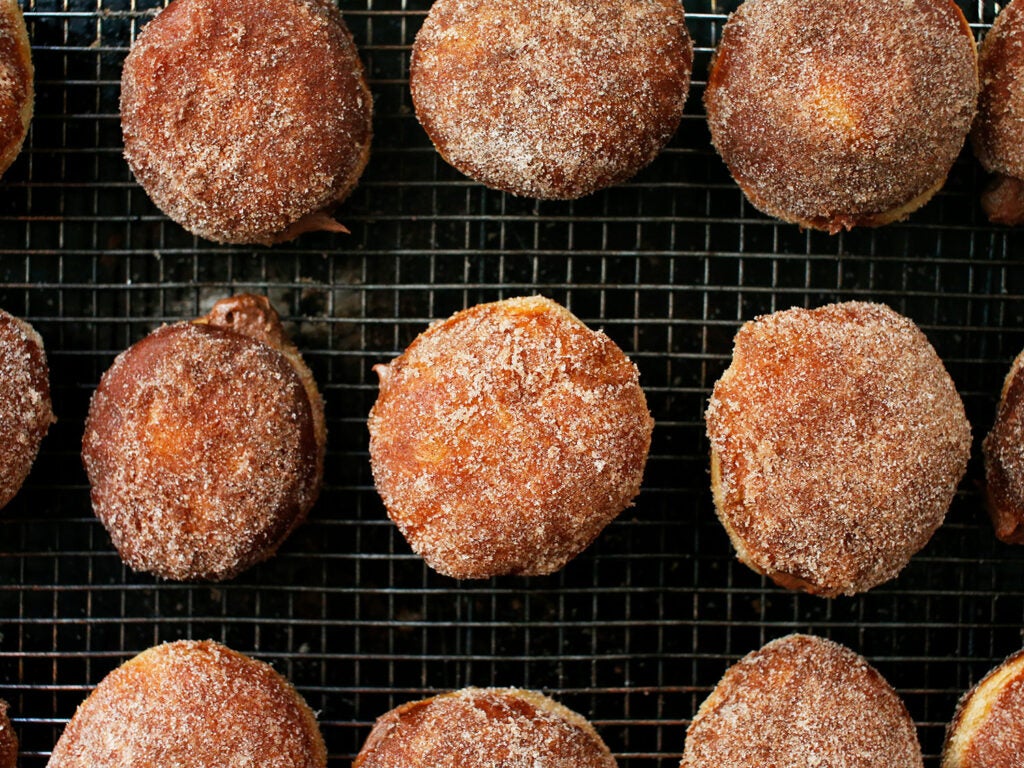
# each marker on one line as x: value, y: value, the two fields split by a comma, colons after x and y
x: 505, y: 438
x: 16, y: 86
x: 8, y: 739
x: 833, y: 114
x: 802, y: 701
x: 204, y: 443
x: 248, y: 121
x: 552, y: 99
x: 987, y: 730
x: 837, y: 443
x: 192, y: 705
x: 484, y: 728
x: 998, y: 134
x: 25, y: 412
x: 1004, y: 459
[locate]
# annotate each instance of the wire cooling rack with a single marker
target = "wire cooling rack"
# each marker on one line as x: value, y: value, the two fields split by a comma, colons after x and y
x: 634, y: 632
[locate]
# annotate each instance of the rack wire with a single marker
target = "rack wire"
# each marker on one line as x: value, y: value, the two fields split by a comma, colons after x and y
x: 634, y: 632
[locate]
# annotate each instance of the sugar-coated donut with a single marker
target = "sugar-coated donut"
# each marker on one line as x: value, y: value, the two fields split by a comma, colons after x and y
x: 25, y: 411
x: 204, y: 443
x: 837, y: 443
x: 998, y: 134
x: 1004, y: 459
x: 484, y: 728
x: 16, y: 82
x: 248, y: 121
x: 505, y: 438
x: 802, y: 701
x: 987, y: 730
x: 551, y: 99
x: 839, y: 113
x: 192, y: 705
x: 8, y: 739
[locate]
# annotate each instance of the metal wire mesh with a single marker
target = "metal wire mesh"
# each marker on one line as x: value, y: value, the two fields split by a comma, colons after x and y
x: 636, y: 631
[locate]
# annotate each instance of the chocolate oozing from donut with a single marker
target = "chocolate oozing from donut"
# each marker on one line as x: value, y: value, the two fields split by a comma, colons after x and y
x: 987, y: 730
x: 25, y: 410
x: 505, y: 438
x: 1003, y: 448
x: 8, y: 739
x: 840, y: 113
x: 484, y: 728
x: 996, y: 137
x: 802, y: 701
x: 192, y: 704
x: 838, y: 440
x: 17, y: 90
x: 204, y: 444
x: 246, y: 122
x: 551, y: 99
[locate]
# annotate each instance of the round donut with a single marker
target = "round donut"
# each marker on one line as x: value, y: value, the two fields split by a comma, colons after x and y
x: 837, y: 443
x: 192, y: 704
x: 16, y: 86
x: 996, y: 137
x: 25, y: 411
x: 204, y: 444
x: 987, y: 730
x: 552, y: 99
x: 8, y: 739
x: 248, y: 121
x: 833, y: 114
x: 802, y: 701
x: 505, y: 438
x: 484, y: 728
x: 1004, y: 459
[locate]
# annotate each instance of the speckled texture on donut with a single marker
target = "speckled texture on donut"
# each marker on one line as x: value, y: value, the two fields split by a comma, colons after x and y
x: 17, y: 91
x: 802, y: 701
x: 192, y: 704
x: 551, y: 98
x: 484, y: 728
x: 246, y: 122
x: 841, y: 113
x: 987, y: 730
x: 506, y: 438
x: 838, y: 440
x: 1003, y: 448
x: 8, y: 739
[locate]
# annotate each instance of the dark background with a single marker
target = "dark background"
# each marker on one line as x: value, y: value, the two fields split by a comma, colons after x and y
x: 634, y: 632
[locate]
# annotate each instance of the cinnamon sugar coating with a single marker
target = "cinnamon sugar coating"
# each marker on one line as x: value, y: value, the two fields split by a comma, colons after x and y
x: 838, y: 440
x: 484, y: 728
x: 840, y: 113
x: 1004, y: 459
x: 996, y: 137
x: 204, y: 444
x: 25, y: 411
x: 8, y: 739
x: 987, y: 730
x: 193, y: 705
x: 505, y: 438
x: 16, y: 82
x: 248, y: 121
x: 802, y: 701
x: 552, y: 99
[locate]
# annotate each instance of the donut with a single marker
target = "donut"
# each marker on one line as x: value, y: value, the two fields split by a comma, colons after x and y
x: 837, y: 443
x: 505, y: 438
x: 25, y: 411
x: 16, y: 87
x: 484, y: 728
x: 987, y: 730
x: 8, y: 739
x: 833, y: 114
x: 997, y: 132
x: 204, y: 444
x: 802, y: 701
x: 1003, y: 449
x: 192, y: 704
x: 552, y: 99
x: 248, y: 121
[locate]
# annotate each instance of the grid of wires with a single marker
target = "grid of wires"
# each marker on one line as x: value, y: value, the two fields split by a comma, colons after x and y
x: 632, y: 634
